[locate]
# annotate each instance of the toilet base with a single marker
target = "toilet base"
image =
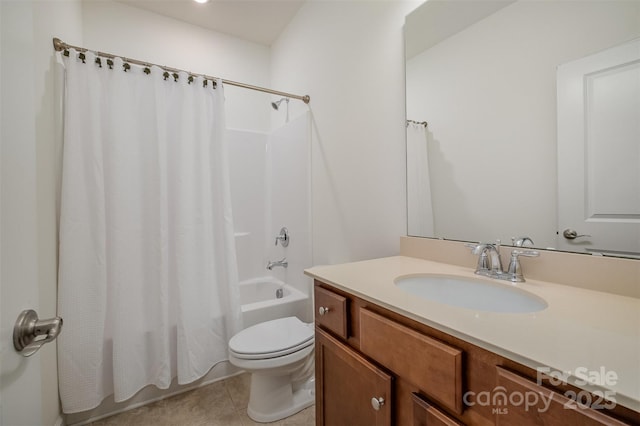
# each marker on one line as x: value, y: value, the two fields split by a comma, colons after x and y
x: 275, y: 398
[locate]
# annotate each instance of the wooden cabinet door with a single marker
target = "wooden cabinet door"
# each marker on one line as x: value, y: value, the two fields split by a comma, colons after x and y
x: 538, y: 406
x: 346, y: 383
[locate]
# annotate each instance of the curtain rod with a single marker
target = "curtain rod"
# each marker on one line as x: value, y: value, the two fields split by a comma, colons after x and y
x: 59, y: 46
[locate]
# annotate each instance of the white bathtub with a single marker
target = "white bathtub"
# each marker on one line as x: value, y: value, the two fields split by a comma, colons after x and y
x: 260, y: 303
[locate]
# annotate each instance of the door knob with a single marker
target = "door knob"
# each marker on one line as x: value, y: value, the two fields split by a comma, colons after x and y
x: 571, y: 234
x: 377, y: 403
x: 28, y: 327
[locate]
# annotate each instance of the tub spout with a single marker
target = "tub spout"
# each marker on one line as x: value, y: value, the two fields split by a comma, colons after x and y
x: 283, y: 263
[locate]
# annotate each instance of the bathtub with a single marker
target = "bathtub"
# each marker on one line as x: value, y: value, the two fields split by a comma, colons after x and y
x: 260, y: 300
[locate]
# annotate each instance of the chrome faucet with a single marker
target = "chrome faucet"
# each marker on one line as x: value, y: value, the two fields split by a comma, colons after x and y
x: 490, y: 263
x: 283, y: 263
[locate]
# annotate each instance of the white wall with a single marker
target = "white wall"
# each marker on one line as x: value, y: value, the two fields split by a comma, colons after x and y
x: 489, y: 95
x: 131, y: 32
x: 348, y: 56
x: 30, y: 142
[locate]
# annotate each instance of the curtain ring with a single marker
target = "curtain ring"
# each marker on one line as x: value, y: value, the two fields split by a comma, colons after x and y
x: 110, y: 63
x: 190, y: 79
x: 82, y: 56
x: 99, y: 62
x: 165, y: 75
x: 175, y: 76
x: 147, y: 70
x: 126, y: 67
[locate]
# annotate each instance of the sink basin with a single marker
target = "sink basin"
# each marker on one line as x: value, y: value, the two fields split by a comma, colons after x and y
x: 472, y: 294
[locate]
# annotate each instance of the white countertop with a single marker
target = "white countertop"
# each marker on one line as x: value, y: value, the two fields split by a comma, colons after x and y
x: 581, y: 331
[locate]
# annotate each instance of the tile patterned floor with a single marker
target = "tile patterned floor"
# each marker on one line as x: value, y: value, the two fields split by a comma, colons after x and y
x: 223, y: 403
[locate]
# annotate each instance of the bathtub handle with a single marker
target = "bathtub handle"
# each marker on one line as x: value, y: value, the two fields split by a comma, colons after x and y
x: 283, y: 237
x: 323, y: 310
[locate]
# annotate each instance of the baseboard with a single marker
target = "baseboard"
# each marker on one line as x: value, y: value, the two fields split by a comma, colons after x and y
x: 59, y: 421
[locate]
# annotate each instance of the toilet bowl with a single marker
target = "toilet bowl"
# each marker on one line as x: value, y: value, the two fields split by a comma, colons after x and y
x: 279, y: 355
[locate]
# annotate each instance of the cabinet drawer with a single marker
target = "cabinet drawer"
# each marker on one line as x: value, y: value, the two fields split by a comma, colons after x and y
x: 429, y: 364
x: 331, y: 311
x: 528, y: 403
x: 425, y: 414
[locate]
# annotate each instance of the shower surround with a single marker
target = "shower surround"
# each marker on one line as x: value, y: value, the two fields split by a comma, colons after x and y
x: 270, y: 188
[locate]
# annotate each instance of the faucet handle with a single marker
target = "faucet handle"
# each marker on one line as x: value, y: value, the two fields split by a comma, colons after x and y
x: 472, y: 246
x: 515, y: 270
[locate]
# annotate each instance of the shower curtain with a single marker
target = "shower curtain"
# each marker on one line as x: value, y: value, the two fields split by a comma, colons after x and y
x: 147, y: 268
x: 419, y: 205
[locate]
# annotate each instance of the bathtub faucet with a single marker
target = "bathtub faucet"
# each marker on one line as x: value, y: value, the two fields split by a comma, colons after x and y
x: 282, y: 263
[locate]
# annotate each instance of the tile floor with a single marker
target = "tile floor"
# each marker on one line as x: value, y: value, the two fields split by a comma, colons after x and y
x: 223, y: 403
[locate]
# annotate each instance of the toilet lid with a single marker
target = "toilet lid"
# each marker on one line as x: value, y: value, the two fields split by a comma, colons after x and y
x: 269, y: 339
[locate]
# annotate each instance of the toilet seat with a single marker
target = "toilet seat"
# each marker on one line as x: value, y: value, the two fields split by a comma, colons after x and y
x: 272, y: 339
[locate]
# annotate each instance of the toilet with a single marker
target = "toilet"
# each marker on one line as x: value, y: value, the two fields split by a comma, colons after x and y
x: 279, y: 354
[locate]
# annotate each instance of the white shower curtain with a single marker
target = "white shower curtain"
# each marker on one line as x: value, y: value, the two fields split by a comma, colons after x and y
x: 147, y: 272
x: 419, y: 205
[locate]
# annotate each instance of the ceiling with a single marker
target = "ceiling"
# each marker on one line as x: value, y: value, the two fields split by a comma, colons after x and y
x: 434, y: 21
x: 259, y: 21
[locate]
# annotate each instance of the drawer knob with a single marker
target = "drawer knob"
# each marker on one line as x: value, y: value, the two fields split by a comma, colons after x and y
x: 323, y: 310
x: 376, y: 403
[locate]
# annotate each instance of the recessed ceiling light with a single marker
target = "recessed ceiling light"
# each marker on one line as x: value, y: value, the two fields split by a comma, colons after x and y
x: 201, y: 1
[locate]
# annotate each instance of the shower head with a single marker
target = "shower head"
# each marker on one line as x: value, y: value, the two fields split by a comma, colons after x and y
x: 276, y: 105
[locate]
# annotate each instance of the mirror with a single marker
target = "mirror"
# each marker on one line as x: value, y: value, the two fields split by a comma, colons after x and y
x: 483, y: 75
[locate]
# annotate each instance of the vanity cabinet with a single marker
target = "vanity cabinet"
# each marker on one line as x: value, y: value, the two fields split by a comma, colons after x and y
x: 377, y: 367
x: 372, y: 370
